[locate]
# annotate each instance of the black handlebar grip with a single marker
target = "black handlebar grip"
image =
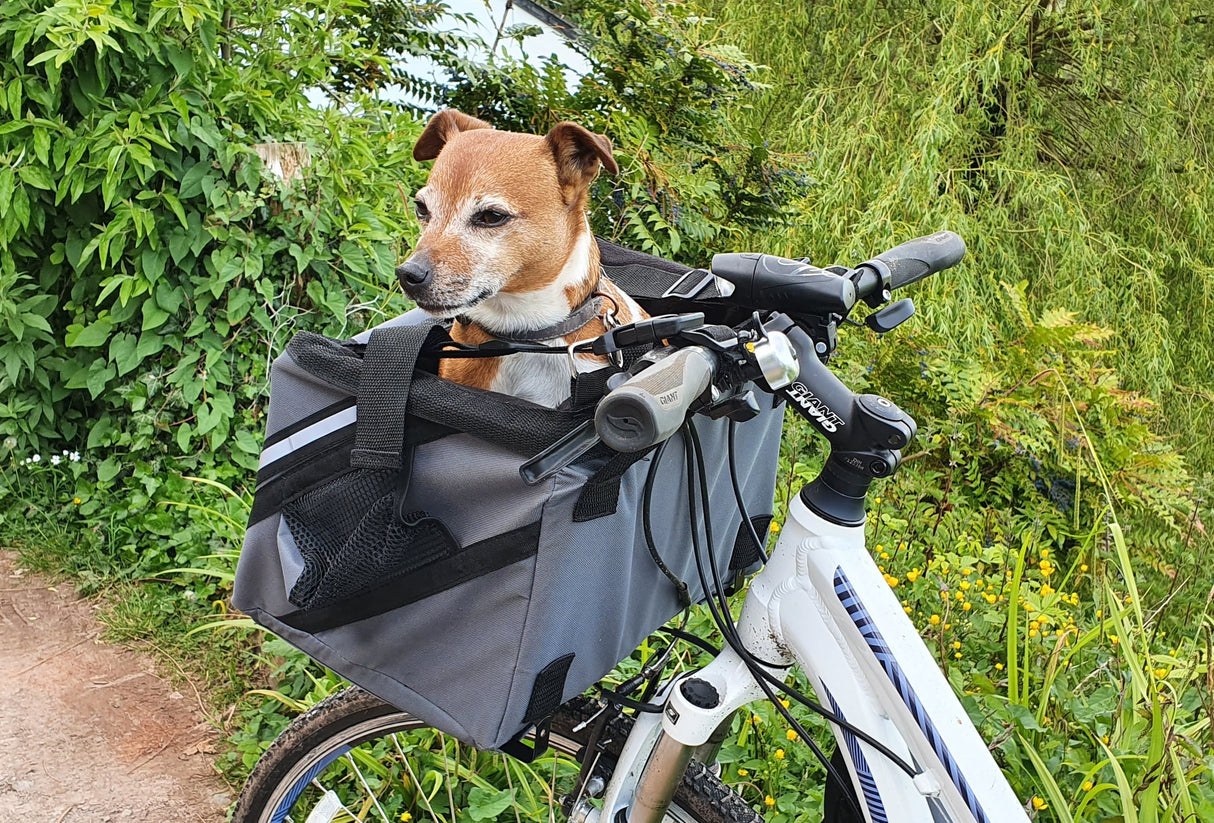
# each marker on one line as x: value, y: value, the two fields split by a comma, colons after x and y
x: 916, y: 259
x: 651, y: 406
x: 765, y: 281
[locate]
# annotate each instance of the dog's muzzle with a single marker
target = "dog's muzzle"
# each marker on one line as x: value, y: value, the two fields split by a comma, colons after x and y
x: 414, y: 274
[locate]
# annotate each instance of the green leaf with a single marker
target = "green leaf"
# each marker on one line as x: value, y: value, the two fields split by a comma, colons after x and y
x: 175, y: 205
x: 247, y: 442
x: 108, y: 469
x: 169, y: 297
x: 486, y: 804
x: 179, y: 246
x: 35, y: 321
x: 153, y: 316
x: 14, y: 97
x: 89, y: 337
x: 8, y: 181
x: 191, y: 181
x: 149, y: 344
x: 100, y: 374
x: 124, y: 353
x: 180, y: 58
x: 152, y: 261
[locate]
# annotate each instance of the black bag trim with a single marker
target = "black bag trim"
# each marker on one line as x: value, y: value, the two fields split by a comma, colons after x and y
x: 311, y: 419
x: 322, y: 459
x: 548, y: 689
x: 397, y: 591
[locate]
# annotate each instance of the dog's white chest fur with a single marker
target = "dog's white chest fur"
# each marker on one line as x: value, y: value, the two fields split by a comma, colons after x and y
x: 540, y: 378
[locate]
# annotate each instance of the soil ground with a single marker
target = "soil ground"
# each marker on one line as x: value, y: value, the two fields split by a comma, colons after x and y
x: 91, y: 733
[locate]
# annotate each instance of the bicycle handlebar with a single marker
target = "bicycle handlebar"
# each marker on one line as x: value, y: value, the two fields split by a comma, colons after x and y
x: 651, y: 406
x: 910, y: 262
x: 769, y: 282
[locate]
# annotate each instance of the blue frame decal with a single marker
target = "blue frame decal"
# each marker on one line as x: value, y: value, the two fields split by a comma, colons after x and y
x: 893, y: 670
x: 872, y: 797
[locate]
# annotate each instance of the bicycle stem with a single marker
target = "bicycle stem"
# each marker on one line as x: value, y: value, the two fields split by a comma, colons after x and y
x: 866, y: 432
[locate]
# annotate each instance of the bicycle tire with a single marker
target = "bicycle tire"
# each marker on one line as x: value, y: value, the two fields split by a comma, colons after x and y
x: 353, y: 717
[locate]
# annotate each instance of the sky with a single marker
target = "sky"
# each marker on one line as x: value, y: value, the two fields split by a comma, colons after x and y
x: 488, y: 14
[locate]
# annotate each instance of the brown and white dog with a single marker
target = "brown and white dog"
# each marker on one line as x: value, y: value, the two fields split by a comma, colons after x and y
x: 507, y: 252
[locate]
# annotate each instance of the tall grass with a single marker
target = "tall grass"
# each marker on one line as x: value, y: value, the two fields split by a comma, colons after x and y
x: 1070, y: 144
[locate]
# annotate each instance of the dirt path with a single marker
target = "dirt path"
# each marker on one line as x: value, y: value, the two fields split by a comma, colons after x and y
x: 90, y: 733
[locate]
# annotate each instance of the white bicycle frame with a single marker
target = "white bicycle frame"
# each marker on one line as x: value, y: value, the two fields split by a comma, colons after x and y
x: 821, y: 602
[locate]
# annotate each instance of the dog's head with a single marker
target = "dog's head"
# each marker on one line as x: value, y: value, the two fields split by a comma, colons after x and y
x: 502, y: 212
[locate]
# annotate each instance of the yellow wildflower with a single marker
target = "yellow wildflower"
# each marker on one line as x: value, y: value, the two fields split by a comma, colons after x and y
x: 779, y: 754
x: 934, y: 620
x: 791, y: 734
x: 1039, y: 804
x: 769, y: 801
x: 405, y: 817
x: 1087, y: 785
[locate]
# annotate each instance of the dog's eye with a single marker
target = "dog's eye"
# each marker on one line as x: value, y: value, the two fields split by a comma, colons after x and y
x: 423, y: 213
x: 489, y: 218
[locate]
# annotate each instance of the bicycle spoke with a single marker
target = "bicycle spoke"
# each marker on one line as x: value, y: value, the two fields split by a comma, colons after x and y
x: 370, y: 794
x: 421, y: 790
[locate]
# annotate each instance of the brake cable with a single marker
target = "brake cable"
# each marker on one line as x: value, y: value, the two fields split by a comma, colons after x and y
x: 754, y: 665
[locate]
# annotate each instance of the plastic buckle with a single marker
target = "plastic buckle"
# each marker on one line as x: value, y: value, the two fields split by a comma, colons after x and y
x: 690, y: 284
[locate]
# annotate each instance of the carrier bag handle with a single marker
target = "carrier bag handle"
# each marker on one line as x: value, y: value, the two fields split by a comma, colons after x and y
x: 383, y: 393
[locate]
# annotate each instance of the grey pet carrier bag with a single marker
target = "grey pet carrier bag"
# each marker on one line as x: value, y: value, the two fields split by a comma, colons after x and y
x: 393, y: 540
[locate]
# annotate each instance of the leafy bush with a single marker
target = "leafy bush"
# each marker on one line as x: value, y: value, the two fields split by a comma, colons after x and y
x: 662, y: 86
x: 150, y: 259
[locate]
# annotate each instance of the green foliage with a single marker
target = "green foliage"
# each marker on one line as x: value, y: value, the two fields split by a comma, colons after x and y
x: 1068, y: 143
x: 151, y: 263
x: 662, y: 86
x: 151, y: 259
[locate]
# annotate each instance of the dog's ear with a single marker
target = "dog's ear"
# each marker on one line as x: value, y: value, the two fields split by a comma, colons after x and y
x: 578, y: 152
x: 442, y: 127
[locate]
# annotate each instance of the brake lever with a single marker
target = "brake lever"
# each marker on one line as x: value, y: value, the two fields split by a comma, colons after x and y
x: 560, y: 454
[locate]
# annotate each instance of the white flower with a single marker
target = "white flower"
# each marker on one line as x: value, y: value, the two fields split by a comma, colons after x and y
x: 37, y: 458
x: 10, y: 443
x: 55, y: 459
x: 65, y: 452
x: 74, y: 457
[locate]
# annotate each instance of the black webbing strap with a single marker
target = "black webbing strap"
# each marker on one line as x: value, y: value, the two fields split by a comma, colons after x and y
x: 383, y: 394
x: 644, y: 276
x: 601, y: 494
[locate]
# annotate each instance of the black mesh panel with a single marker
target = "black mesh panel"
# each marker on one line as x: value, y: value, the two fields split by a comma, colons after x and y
x: 351, y: 538
x: 548, y: 689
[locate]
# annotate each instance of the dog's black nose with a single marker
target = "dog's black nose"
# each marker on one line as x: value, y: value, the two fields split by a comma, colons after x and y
x: 413, y: 273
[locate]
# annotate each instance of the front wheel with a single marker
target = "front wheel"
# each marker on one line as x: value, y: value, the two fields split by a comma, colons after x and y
x: 354, y: 757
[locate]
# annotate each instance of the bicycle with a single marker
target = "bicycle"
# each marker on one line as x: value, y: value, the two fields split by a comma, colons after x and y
x: 906, y: 750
